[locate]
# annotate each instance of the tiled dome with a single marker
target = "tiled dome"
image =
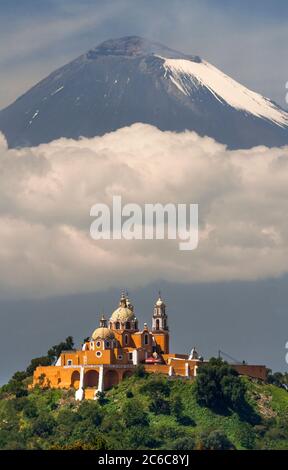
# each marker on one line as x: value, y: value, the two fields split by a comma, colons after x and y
x: 122, y: 314
x: 103, y: 333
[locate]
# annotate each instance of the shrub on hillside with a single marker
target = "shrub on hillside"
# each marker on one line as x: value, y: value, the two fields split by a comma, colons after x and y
x: 156, y: 386
x: 218, y: 385
x: 278, y: 379
x: 246, y: 436
x: 30, y: 410
x: 43, y: 425
x: 183, y: 443
x: 139, y: 438
x: 134, y: 413
x: 176, y: 406
x: 98, y: 442
x: 90, y: 412
x: 215, y: 440
x: 168, y: 432
x: 68, y: 418
x: 101, y: 398
x: 16, y: 387
x: 159, y: 406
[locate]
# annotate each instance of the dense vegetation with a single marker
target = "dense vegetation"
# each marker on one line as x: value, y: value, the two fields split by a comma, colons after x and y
x: 219, y: 410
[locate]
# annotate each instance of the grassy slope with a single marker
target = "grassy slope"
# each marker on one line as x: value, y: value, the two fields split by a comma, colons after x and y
x: 270, y: 402
x: 237, y: 429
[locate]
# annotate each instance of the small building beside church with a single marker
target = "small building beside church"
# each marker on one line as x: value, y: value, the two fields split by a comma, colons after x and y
x: 117, y: 347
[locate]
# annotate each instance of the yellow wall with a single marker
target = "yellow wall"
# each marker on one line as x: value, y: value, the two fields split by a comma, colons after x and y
x: 67, y: 374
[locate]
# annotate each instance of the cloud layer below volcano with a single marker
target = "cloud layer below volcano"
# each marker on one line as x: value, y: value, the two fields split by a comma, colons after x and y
x: 46, y: 194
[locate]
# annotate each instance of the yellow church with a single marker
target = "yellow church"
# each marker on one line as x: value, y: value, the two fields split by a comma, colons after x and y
x: 117, y: 347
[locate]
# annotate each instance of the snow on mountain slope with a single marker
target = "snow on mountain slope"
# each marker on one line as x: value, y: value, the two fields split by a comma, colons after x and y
x: 188, y: 76
x: 103, y: 89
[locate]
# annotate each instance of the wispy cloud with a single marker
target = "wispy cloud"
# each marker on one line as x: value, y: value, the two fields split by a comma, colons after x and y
x: 248, y: 42
x: 32, y: 35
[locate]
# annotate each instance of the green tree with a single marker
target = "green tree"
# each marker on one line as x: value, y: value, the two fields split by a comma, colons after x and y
x: 101, y: 398
x: 68, y: 418
x: 19, y: 376
x: 156, y: 386
x: 134, y: 413
x: 38, y: 361
x: 30, y: 410
x: 278, y: 379
x: 15, y: 386
x: 159, y: 406
x: 54, y: 352
x: 233, y: 390
x: 246, y: 436
x: 215, y: 440
x: 176, y: 406
x: 183, y: 443
x: 139, y: 438
x: 218, y: 385
x: 90, y: 412
x: 43, y: 425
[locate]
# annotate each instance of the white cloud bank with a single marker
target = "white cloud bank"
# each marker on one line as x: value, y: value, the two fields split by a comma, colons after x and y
x: 46, y: 194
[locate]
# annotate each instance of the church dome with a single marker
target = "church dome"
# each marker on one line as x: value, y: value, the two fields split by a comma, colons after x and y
x: 122, y: 314
x: 103, y: 333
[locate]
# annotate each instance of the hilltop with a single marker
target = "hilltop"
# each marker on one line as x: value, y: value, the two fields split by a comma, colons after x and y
x: 145, y: 412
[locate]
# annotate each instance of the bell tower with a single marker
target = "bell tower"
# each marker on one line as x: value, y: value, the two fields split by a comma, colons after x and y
x: 159, y: 319
x: 103, y: 322
x: 160, y: 328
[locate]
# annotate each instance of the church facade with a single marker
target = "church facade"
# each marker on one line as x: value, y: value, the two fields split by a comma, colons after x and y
x: 117, y: 347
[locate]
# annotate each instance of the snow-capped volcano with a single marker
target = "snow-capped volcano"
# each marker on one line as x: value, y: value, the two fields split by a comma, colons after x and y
x: 130, y: 80
x: 189, y: 76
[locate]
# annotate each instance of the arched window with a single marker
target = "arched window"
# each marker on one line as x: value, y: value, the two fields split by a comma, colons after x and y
x: 117, y: 325
x: 126, y: 339
x: 128, y: 325
x: 107, y: 344
x: 110, y: 325
x: 157, y: 324
x: 136, y: 325
x: 146, y: 339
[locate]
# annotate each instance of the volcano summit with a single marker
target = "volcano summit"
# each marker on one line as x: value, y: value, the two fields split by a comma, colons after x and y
x: 128, y: 80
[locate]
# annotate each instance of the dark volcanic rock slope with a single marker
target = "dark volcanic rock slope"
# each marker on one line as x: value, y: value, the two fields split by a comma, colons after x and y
x: 130, y: 80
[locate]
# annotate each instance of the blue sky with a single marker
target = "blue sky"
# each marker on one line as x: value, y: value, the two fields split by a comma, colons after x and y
x: 247, y: 40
